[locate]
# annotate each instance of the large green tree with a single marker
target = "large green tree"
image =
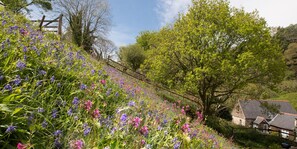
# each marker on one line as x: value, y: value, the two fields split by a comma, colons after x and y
x: 18, y: 6
x: 214, y: 50
x: 286, y: 35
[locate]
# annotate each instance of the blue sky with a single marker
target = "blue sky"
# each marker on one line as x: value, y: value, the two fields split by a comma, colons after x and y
x: 130, y: 17
x: 133, y: 16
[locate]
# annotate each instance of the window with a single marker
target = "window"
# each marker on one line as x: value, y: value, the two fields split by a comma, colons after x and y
x: 284, y: 133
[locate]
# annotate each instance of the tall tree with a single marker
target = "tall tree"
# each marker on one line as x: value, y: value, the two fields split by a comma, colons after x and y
x: 88, y: 20
x: 286, y: 35
x: 18, y: 6
x: 214, y: 50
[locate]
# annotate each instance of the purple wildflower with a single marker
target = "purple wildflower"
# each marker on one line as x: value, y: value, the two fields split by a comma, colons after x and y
x: 4, y: 22
x: 25, y: 49
x: 131, y: 103
x: 40, y: 110
x: 1, y: 77
x: 57, y: 133
x: 42, y: 72
x: 69, y: 112
x: 17, y: 81
x: 59, y: 84
x: 52, y: 79
x: 87, y: 131
x: 54, y: 113
x: 44, y: 124
x: 57, y: 143
x: 83, y: 86
x: 10, y: 129
x: 124, y: 117
x: 39, y: 83
x: 21, y: 65
x: 117, y: 94
x: 8, y: 87
x: 93, y: 71
x: 144, y: 130
x: 136, y: 121
x: 75, y: 101
x: 108, y: 92
x: 176, y: 145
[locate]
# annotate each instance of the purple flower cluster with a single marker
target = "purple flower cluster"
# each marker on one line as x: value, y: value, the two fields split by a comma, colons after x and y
x: 10, y: 129
x: 20, y: 65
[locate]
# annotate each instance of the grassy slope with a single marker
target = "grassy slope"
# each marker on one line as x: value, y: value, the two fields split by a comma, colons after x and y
x: 40, y: 78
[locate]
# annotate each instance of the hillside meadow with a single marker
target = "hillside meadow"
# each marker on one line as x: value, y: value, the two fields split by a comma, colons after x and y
x: 54, y: 95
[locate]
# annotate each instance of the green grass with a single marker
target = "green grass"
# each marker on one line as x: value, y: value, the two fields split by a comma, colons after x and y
x: 291, y: 97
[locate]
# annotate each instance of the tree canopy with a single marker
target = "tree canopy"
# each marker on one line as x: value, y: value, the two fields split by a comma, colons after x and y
x: 19, y: 5
x: 285, y: 35
x: 132, y: 55
x: 214, y: 50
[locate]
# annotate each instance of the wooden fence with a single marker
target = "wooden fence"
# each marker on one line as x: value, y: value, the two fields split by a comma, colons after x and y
x: 142, y: 77
x: 49, y: 24
x: 269, y: 132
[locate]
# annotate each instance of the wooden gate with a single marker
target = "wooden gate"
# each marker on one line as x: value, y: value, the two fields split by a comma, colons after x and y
x: 48, y: 24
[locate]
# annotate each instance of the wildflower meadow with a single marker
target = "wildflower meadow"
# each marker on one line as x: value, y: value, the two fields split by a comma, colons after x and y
x: 54, y: 95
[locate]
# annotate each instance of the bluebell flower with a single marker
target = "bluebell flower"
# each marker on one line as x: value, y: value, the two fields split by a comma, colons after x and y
x: 108, y: 92
x: 17, y: 81
x: 117, y: 94
x: 54, y: 113
x: 52, y: 79
x: 25, y: 49
x: 87, y: 131
x: 131, y: 103
x: 1, y: 77
x: 40, y: 110
x: 75, y: 101
x: 10, y: 129
x: 42, y: 72
x: 57, y: 133
x: 4, y: 22
x: 44, y: 124
x: 8, y: 87
x: 21, y: 65
x: 69, y: 112
x: 59, y: 84
x: 93, y: 72
x: 57, y: 143
x: 176, y: 145
x: 124, y: 117
x: 39, y: 83
x: 83, y: 86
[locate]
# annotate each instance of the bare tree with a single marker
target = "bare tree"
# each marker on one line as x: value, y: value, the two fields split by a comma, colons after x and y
x: 104, y: 48
x: 88, y: 20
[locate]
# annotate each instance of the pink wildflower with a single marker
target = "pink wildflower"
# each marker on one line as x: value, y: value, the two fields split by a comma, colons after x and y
x: 186, y: 128
x: 88, y: 105
x: 183, y: 111
x: 21, y: 146
x: 103, y: 82
x: 142, y: 142
x: 96, y: 113
x: 144, y: 130
x: 78, y: 144
x: 199, y: 115
x: 136, y: 122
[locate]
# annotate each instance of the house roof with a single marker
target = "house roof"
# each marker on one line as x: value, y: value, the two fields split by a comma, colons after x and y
x: 252, y: 108
x: 259, y: 120
x: 284, y: 120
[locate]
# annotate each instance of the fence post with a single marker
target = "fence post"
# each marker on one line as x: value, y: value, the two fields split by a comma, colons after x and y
x: 40, y: 25
x: 60, y: 25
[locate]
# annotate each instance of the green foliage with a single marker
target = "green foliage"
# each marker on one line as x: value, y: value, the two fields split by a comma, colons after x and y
x: 285, y: 35
x: 18, y: 5
x: 146, y: 40
x: 214, y: 50
x: 132, y: 55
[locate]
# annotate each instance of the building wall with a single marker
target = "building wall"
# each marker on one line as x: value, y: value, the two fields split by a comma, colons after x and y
x: 291, y: 133
x: 238, y: 116
x: 238, y: 121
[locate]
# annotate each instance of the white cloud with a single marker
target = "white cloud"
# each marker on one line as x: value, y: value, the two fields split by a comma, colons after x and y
x: 169, y: 9
x: 275, y: 12
x: 121, y: 36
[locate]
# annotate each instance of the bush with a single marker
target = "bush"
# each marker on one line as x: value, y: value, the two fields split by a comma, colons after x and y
x: 132, y: 55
